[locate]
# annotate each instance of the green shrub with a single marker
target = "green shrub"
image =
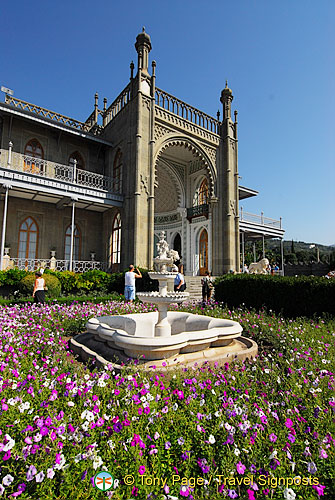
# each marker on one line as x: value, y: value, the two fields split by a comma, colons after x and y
x: 52, y: 283
x: 292, y: 296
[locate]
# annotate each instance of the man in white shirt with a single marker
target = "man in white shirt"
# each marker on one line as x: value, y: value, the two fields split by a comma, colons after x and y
x: 129, y: 283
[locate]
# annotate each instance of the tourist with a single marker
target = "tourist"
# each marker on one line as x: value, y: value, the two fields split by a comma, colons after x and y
x: 207, y: 286
x: 39, y: 287
x: 179, y: 281
x: 129, y: 283
x: 245, y: 269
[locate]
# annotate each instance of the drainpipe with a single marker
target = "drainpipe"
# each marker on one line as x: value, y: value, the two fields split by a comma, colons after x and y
x: 72, y: 232
x: 5, y: 187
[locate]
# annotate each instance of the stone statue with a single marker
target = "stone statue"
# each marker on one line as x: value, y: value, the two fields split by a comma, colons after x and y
x: 259, y: 267
x: 162, y: 247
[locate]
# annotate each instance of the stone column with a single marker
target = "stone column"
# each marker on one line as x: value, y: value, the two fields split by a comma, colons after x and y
x: 227, y: 190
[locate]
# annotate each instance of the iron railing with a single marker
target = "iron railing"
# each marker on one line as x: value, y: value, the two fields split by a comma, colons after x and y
x: 52, y: 115
x: 260, y: 219
x: 198, y: 211
x: 78, y: 266
x: 52, y: 170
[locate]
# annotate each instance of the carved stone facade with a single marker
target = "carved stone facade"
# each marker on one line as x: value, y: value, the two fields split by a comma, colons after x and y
x: 160, y: 163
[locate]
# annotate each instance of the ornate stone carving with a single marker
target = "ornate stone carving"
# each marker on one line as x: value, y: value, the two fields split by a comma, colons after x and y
x: 146, y: 102
x: 144, y: 184
x: 165, y: 219
x: 232, y: 205
x: 161, y: 131
x: 212, y: 154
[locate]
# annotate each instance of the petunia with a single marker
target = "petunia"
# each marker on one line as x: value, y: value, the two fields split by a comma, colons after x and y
x: 39, y: 477
x: 7, y: 480
x: 289, y: 494
x: 32, y: 471
x: 273, y: 438
x: 240, y: 468
x: 141, y: 470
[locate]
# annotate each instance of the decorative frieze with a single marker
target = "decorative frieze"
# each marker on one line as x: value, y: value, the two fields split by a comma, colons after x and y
x: 166, y: 219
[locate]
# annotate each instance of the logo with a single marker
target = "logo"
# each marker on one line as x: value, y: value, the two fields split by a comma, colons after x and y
x: 103, y: 480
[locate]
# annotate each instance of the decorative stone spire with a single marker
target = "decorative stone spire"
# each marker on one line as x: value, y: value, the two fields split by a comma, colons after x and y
x: 226, y: 99
x: 143, y: 47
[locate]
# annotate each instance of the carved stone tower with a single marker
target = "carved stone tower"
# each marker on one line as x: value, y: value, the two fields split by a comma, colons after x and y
x: 227, y: 217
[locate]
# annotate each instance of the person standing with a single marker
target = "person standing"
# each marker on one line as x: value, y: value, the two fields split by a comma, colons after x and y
x: 207, y: 286
x: 39, y: 287
x: 179, y: 281
x: 129, y: 283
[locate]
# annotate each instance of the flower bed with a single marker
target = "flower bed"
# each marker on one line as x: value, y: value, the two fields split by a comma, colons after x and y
x: 260, y: 429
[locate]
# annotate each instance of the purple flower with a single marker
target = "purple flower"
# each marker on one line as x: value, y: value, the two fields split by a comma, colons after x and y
x: 117, y: 427
x: 273, y: 438
x: 141, y: 470
x: 32, y: 471
x: 311, y: 467
x: 181, y: 441
x: 291, y: 438
x: 167, y: 445
x: 232, y: 494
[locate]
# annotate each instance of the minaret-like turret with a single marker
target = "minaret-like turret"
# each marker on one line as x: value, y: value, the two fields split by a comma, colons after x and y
x: 227, y: 223
x: 143, y: 47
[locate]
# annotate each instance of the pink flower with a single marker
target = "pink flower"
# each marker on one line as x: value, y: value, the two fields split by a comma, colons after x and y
x: 319, y: 489
x: 240, y: 468
x: 141, y: 470
x: 251, y: 494
x: 289, y: 423
x: 273, y: 438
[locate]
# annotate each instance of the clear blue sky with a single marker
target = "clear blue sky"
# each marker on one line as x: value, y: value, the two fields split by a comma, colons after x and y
x: 278, y: 58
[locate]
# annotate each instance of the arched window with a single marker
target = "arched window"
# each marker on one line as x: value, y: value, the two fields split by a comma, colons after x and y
x: 116, y: 241
x: 80, y: 162
x: 34, y: 150
x: 117, y: 173
x: 201, y: 194
x: 28, y: 239
x: 76, y: 243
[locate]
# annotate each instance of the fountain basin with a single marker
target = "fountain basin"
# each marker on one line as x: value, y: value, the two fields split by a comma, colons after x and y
x: 134, y: 334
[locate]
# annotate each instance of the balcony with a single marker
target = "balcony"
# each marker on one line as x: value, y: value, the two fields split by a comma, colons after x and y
x: 44, y: 178
x: 254, y: 225
x: 197, y: 211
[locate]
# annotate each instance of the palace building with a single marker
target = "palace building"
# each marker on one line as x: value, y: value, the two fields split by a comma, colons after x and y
x: 96, y: 194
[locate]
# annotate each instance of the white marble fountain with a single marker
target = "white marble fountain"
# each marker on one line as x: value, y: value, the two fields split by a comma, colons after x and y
x: 162, y: 338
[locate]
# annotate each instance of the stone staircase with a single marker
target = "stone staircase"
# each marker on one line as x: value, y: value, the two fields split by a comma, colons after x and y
x: 193, y: 284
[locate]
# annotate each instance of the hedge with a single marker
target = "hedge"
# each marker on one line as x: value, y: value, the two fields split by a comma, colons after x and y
x: 68, y: 300
x: 290, y: 296
x: 73, y: 283
x: 51, y: 282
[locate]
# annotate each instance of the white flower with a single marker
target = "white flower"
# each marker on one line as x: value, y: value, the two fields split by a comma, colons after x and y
x: 97, y: 462
x: 39, y: 477
x: 237, y: 452
x: 289, y: 494
x: 111, y: 444
x: 10, y: 443
x: 7, y: 480
x: 77, y: 458
x: 211, y: 439
x: 50, y: 473
x: 101, y: 383
x: 61, y: 464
